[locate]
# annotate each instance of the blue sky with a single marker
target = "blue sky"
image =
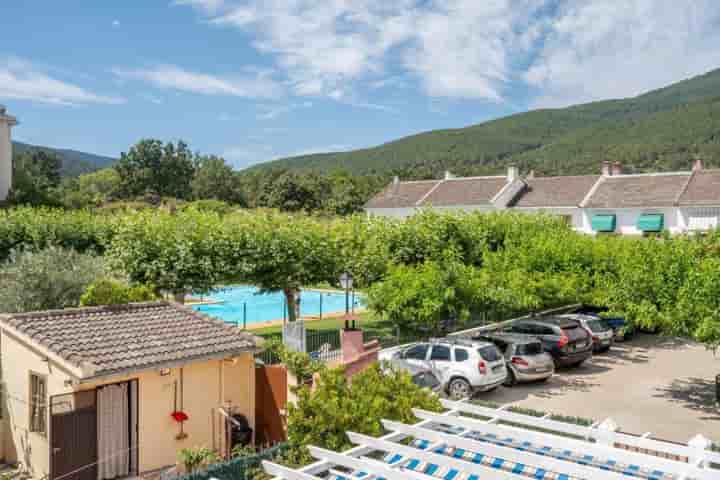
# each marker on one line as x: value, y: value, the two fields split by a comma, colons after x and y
x: 254, y: 80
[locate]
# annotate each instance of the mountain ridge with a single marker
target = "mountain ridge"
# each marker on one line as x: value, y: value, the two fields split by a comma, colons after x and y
x: 74, y: 162
x: 662, y: 129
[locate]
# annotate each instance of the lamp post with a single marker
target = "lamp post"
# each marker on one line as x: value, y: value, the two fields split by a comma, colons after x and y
x: 346, y: 282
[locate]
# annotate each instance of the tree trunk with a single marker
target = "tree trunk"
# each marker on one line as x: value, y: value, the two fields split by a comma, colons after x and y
x: 292, y: 297
x: 179, y: 297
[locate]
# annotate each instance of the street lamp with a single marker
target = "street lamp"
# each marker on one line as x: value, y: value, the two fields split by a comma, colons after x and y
x: 346, y: 282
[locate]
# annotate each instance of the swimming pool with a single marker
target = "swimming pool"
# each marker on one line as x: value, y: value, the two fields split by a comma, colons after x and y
x: 243, y: 304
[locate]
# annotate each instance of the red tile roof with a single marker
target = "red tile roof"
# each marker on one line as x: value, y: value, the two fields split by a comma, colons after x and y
x: 556, y: 191
x: 117, y: 339
x: 650, y: 190
x: 402, y: 194
x: 465, y: 191
x: 702, y: 190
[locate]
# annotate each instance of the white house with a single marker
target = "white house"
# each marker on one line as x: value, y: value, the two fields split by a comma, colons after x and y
x: 612, y: 202
x: 6, y: 124
x: 401, y: 199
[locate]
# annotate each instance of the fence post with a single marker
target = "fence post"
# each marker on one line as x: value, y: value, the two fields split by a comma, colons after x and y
x: 700, y: 445
x: 605, y: 432
x: 244, y: 315
x: 321, y: 304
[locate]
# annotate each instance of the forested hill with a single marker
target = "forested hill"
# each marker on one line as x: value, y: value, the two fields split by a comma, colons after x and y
x: 660, y: 130
x: 74, y: 163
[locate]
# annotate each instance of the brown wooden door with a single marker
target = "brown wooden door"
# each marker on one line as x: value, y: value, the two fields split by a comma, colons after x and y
x: 73, y: 437
x: 270, y: 404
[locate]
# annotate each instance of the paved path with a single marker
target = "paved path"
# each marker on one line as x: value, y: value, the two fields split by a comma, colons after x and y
x: 657, y: 384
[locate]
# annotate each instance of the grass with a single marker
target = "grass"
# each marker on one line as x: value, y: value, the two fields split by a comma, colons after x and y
x: 371, y: 325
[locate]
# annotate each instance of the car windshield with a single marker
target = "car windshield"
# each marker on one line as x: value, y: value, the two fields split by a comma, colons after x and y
x: 529, y: 349
x: 597, y: 325
x: 489, y: 353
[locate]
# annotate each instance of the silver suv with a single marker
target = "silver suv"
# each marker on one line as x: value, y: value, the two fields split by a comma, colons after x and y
x: 463, y: 366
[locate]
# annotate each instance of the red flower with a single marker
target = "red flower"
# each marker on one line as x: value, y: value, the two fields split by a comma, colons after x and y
x: 180, y: 416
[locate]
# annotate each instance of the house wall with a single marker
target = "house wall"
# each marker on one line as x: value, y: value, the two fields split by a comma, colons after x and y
x: 391, y: 212
x: 22, y: 446
x: 710, y: 217
x: 626, y: 219
x: 5, y: 158
x: 207, y: 386
x: 574, y: 214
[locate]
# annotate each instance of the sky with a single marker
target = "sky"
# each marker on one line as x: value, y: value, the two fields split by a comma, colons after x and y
x: 254, y: 80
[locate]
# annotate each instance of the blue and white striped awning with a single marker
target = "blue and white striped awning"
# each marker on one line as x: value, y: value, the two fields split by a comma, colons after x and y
x: 469, y: 442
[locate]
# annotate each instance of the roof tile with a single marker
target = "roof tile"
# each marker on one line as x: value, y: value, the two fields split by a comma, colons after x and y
x: 653, y: 190
x: 114, y: 339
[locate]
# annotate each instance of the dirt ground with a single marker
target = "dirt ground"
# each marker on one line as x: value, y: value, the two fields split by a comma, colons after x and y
x: 661, y: 385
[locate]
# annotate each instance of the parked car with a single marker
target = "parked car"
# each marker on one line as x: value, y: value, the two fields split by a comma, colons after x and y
x: 463, y: 367
x: 622, y: 330
x: 421, y: 376
x: 563, y: 338
x: 602, y: 333
x: 525, y: 357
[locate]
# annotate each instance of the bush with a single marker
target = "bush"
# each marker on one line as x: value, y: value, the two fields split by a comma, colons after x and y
x: 49, y: 279
x: 108, y: 291
x: 322, y: 416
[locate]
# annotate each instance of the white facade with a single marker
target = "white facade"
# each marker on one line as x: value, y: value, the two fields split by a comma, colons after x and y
x: 627, y: 218
x: 573, y: 215
x: 6, y: 124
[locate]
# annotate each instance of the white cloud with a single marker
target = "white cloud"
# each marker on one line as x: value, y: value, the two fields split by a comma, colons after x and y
x: 20, y: 79
x: 566, y: 50
x: 271, y: 112
x: 597, y: 50
x: 255, y: 84
x: 116, y: 23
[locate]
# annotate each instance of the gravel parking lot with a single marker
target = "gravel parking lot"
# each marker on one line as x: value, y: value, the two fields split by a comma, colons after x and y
x: 658, y: 384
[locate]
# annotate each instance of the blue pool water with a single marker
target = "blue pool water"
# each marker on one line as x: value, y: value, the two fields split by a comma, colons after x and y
x: 269, y: 306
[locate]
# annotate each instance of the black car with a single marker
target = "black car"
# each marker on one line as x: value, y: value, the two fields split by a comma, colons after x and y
x: 565, y: 339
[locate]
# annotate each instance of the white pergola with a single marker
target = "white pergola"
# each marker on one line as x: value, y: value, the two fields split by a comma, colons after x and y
x: 470, y: 442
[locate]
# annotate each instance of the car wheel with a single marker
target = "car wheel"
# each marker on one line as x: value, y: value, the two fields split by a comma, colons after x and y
x: 577, y: 364
x: 459, y: 388
x: 511, y: 379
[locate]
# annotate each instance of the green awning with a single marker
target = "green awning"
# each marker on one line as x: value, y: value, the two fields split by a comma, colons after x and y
x: 603, y: 223
x: 650, y: 222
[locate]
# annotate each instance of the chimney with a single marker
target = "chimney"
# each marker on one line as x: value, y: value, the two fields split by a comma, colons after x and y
x: 605, y: 170
x: 512, y: 173
x: 697, y: 165
x: 449, y: 175
x: 616, y: 168
x: 531, y: 175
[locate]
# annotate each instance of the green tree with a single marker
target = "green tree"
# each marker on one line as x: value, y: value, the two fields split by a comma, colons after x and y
x: 426, y: 297
x: 108, y: 291
x: 48, y: 279
x: 215, y: 179
x: 36, y: 177
x: 287, y: 253
x: 293, y: 192
x: 321, y: 416
x: 90, y: 189
x: 178, y: 253
x: 153, y: 167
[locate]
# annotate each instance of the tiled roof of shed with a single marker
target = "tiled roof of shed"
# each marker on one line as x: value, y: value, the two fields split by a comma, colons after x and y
x: 116, y: 339
x: 647, y: 190
x: 402, y: 194
x: 556, y: 191
x: 465, y: 191
x: 703, y: 189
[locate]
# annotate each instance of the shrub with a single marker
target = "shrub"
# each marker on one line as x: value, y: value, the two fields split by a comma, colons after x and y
x: 108, y: 291
x: 49, y: 279
x: 322, y: 416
